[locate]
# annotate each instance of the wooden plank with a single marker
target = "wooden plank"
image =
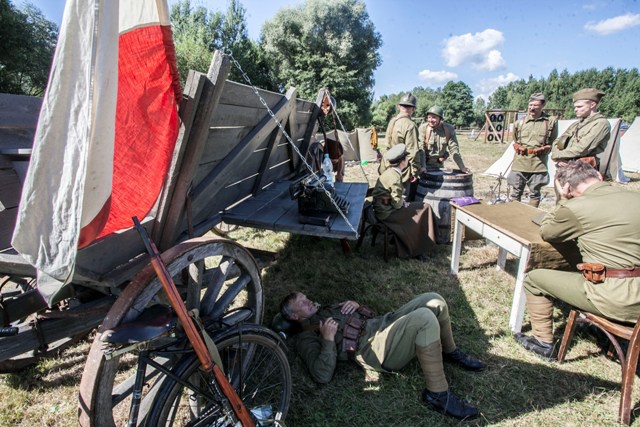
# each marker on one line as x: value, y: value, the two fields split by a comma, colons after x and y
x: 187, y: 110
x: 249, y: 168
x: 212, y: 90
x: 273, y: 209
x: 216, y: 180
x: 19, y: 111
x: 225, y: 198
x: 243, y: 95
x: 235, y: 115
x: 10, y: 189
x: 8, y: 218
x: 220, y: 142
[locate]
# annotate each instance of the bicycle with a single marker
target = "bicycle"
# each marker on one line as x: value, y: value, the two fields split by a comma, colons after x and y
x: 248, y: 384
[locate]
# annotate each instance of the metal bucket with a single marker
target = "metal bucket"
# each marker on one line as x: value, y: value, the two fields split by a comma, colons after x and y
x: 436, y: 188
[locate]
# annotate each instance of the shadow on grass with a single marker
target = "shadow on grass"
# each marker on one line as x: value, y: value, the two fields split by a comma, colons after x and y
x: 511, y: 388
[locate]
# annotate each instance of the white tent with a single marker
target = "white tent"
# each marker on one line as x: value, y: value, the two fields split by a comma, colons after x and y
x: 630, y: 147
x: 609, y: 159
x: 356, y: 144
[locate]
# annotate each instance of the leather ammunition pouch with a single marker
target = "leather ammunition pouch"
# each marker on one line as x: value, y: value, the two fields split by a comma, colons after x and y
x: 365, y: 311
x: 351, y: 334
x: 594, y: 273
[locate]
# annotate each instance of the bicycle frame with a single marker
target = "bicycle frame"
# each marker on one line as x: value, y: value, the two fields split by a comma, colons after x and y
x: 193, y: 336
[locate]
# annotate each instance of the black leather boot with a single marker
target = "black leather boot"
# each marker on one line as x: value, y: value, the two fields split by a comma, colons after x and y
x: 449, y: 404
x: 463, y: 360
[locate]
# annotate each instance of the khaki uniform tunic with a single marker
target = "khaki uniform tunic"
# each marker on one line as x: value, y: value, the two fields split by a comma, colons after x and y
x: 606, y: 224
x: 403, y: 130
x: 387, y: 343
x: 534, y: 133
x: 586, y: 137
x: 437, y: 146
x: 413, y: 225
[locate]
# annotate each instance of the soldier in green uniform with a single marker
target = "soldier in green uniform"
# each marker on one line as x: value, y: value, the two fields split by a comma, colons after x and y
x: 420, y: 328
x: 532, y: 138
x: 412, y: 223
x: 587, y: 137
x: 589, y: 212
x: 403, y: 130
x: 438, y: 139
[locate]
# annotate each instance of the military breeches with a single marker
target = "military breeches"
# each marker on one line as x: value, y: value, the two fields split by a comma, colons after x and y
x: 566, y: 286
x: 391, y: 339
x: 534, y: 180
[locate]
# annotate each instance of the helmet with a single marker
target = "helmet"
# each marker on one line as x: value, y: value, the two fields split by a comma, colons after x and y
x: 408, y: 100
x: 437, y: 110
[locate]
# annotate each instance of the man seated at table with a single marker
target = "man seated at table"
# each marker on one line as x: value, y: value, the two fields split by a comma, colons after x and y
x: 412, y: 223
x: 605, y: 222
x: 420, y: 328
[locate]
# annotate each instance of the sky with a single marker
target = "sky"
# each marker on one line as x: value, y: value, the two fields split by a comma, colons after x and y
x: 485, y: 44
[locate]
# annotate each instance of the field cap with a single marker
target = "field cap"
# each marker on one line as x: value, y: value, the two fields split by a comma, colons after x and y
x: 538, y: 96
x: 590, y: 93
x: 396, y: 153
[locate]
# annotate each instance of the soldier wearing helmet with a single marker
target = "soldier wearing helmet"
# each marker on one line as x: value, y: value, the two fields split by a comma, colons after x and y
x: 403, y: 130
x: 438, y: 140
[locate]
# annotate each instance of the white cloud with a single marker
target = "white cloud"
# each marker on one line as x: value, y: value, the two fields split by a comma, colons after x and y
x: 482, y: 50
x: 613, y: 25
x: 435, y: 78
x: 487, y: 86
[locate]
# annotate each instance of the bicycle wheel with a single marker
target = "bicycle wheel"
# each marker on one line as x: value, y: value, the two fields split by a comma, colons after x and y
x: 255, y: 365
x: 217, y: 276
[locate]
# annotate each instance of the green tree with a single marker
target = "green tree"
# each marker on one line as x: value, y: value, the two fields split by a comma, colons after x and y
x: 197, y: 32
x: 479, y: 107
x: 26, y: 50
x: 457, y: 101
x: 326, y: 43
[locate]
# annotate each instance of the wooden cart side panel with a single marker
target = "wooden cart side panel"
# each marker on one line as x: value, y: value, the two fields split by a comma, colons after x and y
x: 244, y: 153
x: 242, y: 95
x: 206, y: 106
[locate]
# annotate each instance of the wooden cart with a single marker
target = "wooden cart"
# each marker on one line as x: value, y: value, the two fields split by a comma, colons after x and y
x: 230, y: 152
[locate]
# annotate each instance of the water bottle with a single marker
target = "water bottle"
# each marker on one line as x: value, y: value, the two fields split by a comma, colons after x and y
x: 327, y: 170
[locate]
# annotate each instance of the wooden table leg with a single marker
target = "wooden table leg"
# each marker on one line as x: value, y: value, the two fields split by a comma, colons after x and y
x: 346, y: 248
x: 519, y: 300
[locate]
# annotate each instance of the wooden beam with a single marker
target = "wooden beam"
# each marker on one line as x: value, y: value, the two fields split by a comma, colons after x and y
x: 197, y: 137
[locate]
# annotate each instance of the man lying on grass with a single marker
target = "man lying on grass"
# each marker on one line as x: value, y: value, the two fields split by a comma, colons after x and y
x: 420, y: 328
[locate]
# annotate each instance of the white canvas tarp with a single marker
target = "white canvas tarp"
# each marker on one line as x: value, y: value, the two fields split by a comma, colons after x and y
x: 610, y: 159
x: 630, y: 147
x: 356, y: 144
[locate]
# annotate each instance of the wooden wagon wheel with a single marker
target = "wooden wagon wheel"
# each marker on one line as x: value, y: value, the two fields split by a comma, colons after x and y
x: 222, y: 277
x: 223, y: 229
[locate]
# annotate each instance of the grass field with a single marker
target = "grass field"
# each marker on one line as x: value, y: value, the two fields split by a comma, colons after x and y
x: 517, y: 389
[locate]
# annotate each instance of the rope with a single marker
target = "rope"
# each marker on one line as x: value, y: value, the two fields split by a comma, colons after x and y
x: 229, y: 53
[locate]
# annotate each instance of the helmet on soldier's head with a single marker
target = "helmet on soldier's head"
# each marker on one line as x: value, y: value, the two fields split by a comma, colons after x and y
x: 408, y: 100
x: 437, y: 110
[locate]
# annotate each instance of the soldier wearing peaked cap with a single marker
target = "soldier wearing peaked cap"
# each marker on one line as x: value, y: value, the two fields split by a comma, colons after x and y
x: 403, y: 130
x: 532, y: 137
x: 587, y: 137
x: 412, y: 223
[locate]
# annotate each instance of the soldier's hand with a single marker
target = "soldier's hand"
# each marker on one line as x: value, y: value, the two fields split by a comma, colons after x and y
x: 466, y: 170
x: 328, y: 329
x: 348, y: 307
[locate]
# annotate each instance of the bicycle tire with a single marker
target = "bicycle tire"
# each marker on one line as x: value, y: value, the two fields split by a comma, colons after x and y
x: 255, y: 365
x: 106, y: 385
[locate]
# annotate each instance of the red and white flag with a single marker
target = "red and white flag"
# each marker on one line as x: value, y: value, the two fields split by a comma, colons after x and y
x: 105, y: 136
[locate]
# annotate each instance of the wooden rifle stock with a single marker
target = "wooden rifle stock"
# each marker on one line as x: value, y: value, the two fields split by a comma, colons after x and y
x: 190, y: 329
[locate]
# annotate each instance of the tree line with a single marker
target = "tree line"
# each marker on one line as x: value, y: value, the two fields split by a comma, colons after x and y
x: 318, y: 44
x: 621, y: 86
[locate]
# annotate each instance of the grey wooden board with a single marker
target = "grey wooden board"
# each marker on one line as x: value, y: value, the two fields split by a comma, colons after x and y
x: 19, y: 111
x: 273, y: 209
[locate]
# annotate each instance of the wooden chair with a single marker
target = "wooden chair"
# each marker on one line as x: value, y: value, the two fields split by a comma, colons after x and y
x: 371, y: 223
x: 613, y: 331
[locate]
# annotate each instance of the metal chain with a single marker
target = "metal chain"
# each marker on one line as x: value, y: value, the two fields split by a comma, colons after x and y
x: 229, y: 53
x: 333, y: 106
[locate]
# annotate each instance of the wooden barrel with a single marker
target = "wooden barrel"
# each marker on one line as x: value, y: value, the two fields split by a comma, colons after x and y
x: 436, y: 188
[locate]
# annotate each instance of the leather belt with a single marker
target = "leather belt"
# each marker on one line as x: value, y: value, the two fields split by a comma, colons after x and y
x: 597, y: 273
x: 623, y: 272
